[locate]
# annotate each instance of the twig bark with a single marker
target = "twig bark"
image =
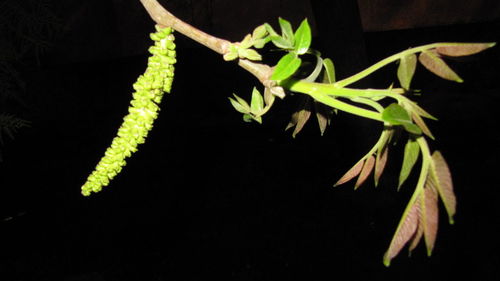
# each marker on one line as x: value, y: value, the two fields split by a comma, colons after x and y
x: 164, y: 18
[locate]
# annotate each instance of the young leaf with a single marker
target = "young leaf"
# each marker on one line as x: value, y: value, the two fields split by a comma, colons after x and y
x: 441, y: 180
x: 421, y: 124
x: 259, y: 32
x: 412, y: 150
x: 406, y: 70
x: 465, y: 49
x: 268, y: 96
x: 246, y: 42
x: 353, y: 172
x: 432, y: 61
x: 286, y: 30
x: 405, y: 231
x: 365, y: 172
x: 240, y: 104
x: 300, y: 118
x: 250, y: 54
x: 281, y: 43
x: 302, y: 38
x: 323, y: 114
x: 329, y: 71
x: 419, y: 233
x: 286, y: 67
x: 257, y: 102
x: 397, y: 115
x: 380, y: 162
x: 429, y: 216
x: 270, y: 30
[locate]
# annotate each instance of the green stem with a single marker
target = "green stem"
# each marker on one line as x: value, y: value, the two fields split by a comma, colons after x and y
x: 360, y: 75
x: 323, y: 93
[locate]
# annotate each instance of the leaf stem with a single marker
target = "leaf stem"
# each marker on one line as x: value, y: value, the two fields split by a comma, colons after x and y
x: 360, y: 75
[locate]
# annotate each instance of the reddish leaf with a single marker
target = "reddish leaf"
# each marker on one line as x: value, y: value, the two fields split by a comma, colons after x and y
x: 353, y: 172
x: 432, y: 61
x: 366, y: 171
x: 323, y: 113
x: 406, y: 230
x: 300, y: 118
x: 429, y: 215
x: 421, y: 124
x: 420, y: 229
x: 380, y: 163
x: 441, y: 180
x: 465, y: 49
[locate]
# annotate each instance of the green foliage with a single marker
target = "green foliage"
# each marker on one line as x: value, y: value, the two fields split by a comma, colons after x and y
x: 144, y: 108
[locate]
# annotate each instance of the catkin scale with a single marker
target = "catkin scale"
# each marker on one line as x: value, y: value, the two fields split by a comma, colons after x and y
x: 143, y: 110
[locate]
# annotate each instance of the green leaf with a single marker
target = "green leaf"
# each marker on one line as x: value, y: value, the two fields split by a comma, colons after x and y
x: 432, y: 61
x: 412, y: 128
x: 270, y: 30
x: 329, y: 71
x: 412, y: 151
x: 260, y: 43
x: 247, y: 118
x: 259, y: 32
x: 302, y: 38
x: 257, y: 102
x: 397, y: 115
x: 281, y: 43
x: 240, y: 104
x: 406, y: 69
x: 286, y: 30
x: 249, y: 54
x: 286, y: 67
x: 465, y: 49
x: 247, y: 42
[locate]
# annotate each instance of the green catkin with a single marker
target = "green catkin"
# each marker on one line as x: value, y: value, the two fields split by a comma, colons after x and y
x: 149, y: 90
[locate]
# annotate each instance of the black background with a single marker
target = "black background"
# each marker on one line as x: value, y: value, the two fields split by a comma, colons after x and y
x: 209, y: 196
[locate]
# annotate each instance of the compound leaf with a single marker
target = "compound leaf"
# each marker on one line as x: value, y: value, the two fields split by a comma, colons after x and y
x: 432, y: 61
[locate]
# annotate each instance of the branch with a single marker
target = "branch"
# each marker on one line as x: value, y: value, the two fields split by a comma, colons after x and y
x: 166, y: 19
